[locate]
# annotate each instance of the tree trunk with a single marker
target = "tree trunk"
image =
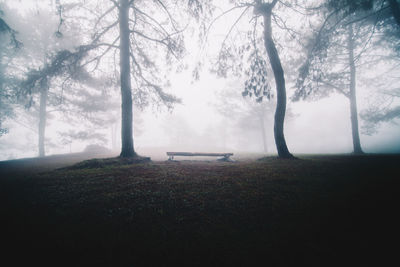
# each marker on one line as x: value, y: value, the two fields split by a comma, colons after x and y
x: 276, y: 65
x: 264, y: 134
x: 127, y: 149
x: 42, y: 116
x: 353, y: 99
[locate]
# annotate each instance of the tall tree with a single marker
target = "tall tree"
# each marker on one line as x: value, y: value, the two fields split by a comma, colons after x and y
x: 265, y: 9
x: 349, y: 32
x: 126, y: 91
x: 352, y: 96
x: 385, y: 16
x: 44, y: 44
x: 332, y: 68
x: 144, y: 30
x: 232, y: 54
x: 242, y: 115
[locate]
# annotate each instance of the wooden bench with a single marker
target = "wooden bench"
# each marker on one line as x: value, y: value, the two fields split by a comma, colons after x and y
x: 225, y: 156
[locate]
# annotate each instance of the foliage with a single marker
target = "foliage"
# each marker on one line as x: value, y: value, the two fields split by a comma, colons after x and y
x: 383, y: 14
x: 256, y: 83
x: 384, y: 109
x: 67, y: 137
x: 155, y: 43
x: 326, y: 67
x: 9, y: 46
x: 63, y: 62
x: 375, y: 117
x: 326, y: 63
x: 6, y: 29
x: 351, y: 6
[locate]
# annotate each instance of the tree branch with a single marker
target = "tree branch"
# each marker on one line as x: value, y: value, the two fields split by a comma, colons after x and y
x: 106, y: 29
x: 103, y: 15
x: 98, y: 58
x: 221, y: 15
x: 168, y: 14
x: 152, y: 19
x: 233, y: 25
x: 337, y: 88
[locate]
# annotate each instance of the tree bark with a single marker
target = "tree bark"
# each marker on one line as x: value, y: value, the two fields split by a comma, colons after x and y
x: 276, y: 65
x: 353, y: 99
x: 42, y: 116
x: 127, y: 149
x: 264, y: 134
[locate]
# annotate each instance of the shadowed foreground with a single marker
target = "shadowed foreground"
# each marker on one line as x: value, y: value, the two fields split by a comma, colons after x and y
x: 320, y: 211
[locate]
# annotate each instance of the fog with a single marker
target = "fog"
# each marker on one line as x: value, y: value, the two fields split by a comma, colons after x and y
x: 197, y: 124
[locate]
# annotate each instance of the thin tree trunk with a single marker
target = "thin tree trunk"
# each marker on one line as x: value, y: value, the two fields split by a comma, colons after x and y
x: 127, y: 149
x: 263, y: 133
x: 42, y: 116
x: 353, y: 99
x: 276, y: 65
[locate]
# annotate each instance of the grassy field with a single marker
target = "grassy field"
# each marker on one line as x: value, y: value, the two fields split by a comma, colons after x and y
x: 316, y: 210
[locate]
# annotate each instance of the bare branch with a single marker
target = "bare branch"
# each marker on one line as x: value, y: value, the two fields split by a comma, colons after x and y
x: 152, y: 19
x: 234, y: 24
x: 168, y: 14
x: 103, y: 15
x: 221, y: 15
x: 106, y: 29
x: 165, y: 42
x: 166, y: 98
x: 337, y: 88
x: 109, y: 45
x: 160, y: 41
x: 291, y: 32
x: 98, y: 58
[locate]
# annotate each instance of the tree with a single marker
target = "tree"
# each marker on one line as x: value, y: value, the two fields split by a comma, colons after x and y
x: 231, y: 56
x: 126, y: 91
x: 45, y: 50
x: 265, y: 9
x: 243, y: 115
x: 333, y: 69
x: 31, y: 69
x: 39, y: 82
x: 352, y: 95
x: 145, y: 29
x: 347, y: 36
x: 385, y: 16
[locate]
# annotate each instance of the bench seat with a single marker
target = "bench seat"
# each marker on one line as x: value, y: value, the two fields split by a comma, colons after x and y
x: 193, y: 154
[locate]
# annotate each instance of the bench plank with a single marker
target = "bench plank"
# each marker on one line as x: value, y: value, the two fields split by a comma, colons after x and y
x: 199, y: 154
x: 225, y: 156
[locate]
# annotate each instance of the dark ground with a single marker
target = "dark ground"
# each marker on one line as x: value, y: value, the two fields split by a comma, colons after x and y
x: 316, y: 211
